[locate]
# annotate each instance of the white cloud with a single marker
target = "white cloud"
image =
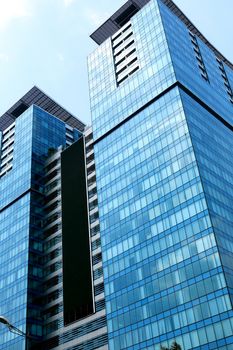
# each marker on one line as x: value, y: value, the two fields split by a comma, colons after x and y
x: 11, y: 9
x: 4, y: 57
x: 96, y: 18
x: 68, y: 2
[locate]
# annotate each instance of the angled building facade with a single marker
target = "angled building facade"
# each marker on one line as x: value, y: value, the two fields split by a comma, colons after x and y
x: 119, y: 236
x: 161, y: 103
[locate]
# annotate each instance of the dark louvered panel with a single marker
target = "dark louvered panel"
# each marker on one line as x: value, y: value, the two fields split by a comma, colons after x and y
x: 37, y: 97
x: 117, y: 20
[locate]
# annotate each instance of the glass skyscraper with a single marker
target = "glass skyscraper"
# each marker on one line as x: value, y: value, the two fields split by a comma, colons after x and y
x: 162, y: 104
x: 119, y: 235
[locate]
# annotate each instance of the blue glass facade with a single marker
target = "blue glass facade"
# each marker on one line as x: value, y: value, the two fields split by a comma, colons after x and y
x: 162, y: 103
x: 153, y: 54
x: 36, y: 134
x: 164, y: 180
x: 188, y: 60
x: 212, y: 144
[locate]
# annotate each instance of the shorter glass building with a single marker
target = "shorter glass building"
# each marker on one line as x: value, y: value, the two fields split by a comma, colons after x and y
x: 51, y: 283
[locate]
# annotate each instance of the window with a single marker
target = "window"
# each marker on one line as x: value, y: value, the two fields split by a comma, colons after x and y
x: 225, y: 79
x: 199, y: 58
x: 124, y: 53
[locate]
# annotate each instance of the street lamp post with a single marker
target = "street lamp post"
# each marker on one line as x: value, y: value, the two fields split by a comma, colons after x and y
x: 16, y: 330
x: 12, y: 328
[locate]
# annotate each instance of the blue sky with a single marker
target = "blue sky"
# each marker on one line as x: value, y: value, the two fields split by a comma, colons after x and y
x: 46, y: 42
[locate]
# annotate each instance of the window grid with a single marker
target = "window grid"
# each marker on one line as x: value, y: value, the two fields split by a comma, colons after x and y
x: 124, y: 53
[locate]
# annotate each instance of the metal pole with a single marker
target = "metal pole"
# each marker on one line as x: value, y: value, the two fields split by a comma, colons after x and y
x: 15, y: 330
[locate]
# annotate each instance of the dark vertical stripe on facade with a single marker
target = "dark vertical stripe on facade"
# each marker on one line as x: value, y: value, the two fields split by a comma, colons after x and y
x: 77, y: 277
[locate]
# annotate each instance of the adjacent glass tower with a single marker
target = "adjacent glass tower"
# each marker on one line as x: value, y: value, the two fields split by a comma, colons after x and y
x: 51, y: 281
x: 162, y: 104
x: 30, y: 135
